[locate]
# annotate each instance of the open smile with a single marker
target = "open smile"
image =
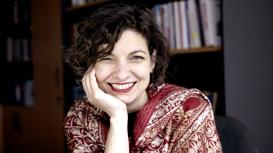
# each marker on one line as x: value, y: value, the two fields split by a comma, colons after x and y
x: 122, y: 87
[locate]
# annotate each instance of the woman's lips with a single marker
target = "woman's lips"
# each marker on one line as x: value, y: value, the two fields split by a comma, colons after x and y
x: 121, y: 87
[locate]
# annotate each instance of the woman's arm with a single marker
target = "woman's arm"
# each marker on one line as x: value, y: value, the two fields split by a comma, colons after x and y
x: 117, y: 138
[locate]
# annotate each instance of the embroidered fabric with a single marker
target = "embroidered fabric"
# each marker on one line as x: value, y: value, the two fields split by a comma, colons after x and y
x: 174, y: 120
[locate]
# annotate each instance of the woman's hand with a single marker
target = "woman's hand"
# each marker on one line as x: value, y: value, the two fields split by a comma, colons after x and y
x: 117, y: 138
x: 106, y: 102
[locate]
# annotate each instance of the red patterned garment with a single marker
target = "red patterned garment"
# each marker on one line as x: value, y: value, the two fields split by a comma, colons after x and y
x: 174, y: 120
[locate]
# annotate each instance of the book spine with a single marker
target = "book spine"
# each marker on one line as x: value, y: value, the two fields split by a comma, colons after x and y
x: 210, y: 12
x: 184, y: 24
x: 177, y: 25
x: 157, y: 16
x: 171, y: 22
x: 194, y: 25
x: 9, y: 49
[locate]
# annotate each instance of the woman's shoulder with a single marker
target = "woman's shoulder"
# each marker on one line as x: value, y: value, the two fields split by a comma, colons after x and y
x: 176, y: 105
x: 178, y: 96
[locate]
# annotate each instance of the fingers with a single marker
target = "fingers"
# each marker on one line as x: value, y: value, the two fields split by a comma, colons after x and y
x: 90, y: 84
x: 97, y: 97
x: 86, y: 83
x: 93, y: 80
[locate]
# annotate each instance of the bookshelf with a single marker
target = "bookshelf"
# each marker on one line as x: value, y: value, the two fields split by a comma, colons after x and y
x: 35, y: 128
x: 16, y: 56
x: 174, y: 52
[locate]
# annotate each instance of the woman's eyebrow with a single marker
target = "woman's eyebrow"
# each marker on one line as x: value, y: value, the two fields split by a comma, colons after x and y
x: 138, y: 51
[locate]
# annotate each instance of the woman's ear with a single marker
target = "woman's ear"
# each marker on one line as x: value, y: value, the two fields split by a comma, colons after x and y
x: 153, y: 60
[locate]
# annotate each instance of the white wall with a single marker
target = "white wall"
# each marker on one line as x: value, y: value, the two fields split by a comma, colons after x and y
x: 248, y: 55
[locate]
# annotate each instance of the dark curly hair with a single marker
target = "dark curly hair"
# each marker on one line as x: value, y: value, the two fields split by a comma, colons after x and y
x: 105, y: 26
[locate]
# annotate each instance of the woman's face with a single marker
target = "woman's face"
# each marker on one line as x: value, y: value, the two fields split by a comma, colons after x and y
x: 125, y: 73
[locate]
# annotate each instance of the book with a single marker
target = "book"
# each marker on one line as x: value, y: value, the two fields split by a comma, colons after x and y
x: 177, y: 25
x: 199, y: 16
x: 171, y: 21
x: 194, y: 28
x: 78, y: 2
x: 184, y: 24
x: 211, y: 20
x: 26, y: 49
x: 28, y: 93
x: 157, y: 15
x: 166, y: 25
x: 9, y: 49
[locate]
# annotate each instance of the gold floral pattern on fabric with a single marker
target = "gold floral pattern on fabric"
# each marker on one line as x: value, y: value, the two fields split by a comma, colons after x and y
x: 175, y: 120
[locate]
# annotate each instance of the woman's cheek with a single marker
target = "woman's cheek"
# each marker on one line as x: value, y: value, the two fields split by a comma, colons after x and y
x: 100, y: 73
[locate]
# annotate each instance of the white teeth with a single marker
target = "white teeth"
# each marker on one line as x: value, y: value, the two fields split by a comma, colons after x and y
x: 122, y: 86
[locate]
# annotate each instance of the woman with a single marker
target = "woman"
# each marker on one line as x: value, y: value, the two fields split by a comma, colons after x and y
x: 120, y: 57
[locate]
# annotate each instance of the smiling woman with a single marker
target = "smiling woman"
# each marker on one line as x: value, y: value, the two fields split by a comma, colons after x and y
x: 120, y: 58
x: 125, y: 73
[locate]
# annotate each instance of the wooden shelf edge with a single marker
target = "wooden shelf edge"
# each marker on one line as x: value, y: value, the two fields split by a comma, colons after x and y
x: 195, y: 50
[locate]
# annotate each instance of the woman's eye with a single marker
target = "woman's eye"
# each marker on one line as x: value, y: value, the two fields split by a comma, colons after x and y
x: 106, y: 59
x: 137, y: 58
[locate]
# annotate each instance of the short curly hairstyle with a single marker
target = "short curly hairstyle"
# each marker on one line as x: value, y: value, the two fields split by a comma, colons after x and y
x: 105, y: 26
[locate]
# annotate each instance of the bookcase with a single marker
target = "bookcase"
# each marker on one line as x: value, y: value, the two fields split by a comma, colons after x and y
x: 36, y: 127
x: 16, y: 57
x: 194, y: 66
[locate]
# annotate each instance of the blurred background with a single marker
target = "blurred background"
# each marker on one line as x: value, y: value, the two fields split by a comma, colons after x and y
x: 223, y: 48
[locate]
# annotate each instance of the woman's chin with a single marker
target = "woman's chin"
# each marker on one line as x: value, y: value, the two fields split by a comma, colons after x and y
x: 126, y: 100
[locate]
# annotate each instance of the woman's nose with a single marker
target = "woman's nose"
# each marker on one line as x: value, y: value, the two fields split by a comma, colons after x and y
x: 121, y: 71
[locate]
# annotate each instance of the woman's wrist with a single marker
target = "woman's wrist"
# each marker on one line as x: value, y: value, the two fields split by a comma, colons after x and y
x: 119, y: 118
x: 117, y: 139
